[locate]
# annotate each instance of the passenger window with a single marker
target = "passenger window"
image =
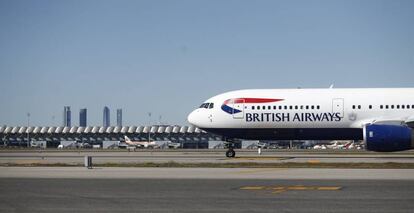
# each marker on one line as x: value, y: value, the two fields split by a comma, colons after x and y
x: 359, y: 106
x: 290, y: 107
x: 398, y: 106
x: 412, y: 106
x: 285, y: 107
x: 318, y: 107
x: 408, y: 106
x: 252, y: 107
x: 307, y: 107
x: 280, y: 107
x: 211, y: 106
x: 296, y: 107
x: 402, y: 106
x: 381, y: 106
x: 392, y: 106
x: 370, y: 106
x: 353, y: 106
x: 312, y: 107
x: 274, y: 107
x: 386, y: 106
x: 269, y: 107
x: 263, y: 107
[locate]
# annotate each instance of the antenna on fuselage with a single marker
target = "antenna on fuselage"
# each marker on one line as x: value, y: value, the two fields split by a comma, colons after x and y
x: 331, y: 87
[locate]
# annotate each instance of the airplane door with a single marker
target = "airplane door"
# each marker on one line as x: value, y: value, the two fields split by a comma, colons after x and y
x: 338, y: 106
x: 238, y: 108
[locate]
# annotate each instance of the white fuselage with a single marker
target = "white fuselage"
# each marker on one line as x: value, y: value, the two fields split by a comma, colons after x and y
x: 302, y: 113
x: 144, y: 144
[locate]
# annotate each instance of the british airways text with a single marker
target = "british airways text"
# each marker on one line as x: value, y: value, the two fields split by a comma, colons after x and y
x: 294, y: 117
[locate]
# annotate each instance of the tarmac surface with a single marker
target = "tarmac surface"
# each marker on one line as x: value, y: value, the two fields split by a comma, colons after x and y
x: 207, y: 173
x: 122, y: 189
x: 167, y: 194
x: 202, y: 156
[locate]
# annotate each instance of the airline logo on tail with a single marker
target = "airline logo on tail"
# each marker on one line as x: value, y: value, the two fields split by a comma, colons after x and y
x: 226, y: 108
x: 127, y: 139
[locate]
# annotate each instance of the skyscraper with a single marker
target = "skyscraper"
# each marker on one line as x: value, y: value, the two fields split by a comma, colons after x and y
x: 119, y: 117
x: 82, y: 117
x: 106, y: 117
x: 66, y: 116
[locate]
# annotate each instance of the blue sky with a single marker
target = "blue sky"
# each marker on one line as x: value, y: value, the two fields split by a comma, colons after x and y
x: 166, y: 57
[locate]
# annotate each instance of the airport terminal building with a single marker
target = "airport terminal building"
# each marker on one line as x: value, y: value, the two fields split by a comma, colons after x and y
x: 187, y: 136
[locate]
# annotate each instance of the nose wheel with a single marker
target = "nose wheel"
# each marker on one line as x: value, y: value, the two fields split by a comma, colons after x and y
x: 229, y: 144
x: 230, y: 153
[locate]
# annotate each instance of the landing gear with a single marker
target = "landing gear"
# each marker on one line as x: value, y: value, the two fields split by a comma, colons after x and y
x: 230, y: 153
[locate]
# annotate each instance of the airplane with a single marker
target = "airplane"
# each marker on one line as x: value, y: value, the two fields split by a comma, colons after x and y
x: 144, y: 144
x: 339, y: 145
x: 319, y: 147
x: 350, y: 146
x: 382, y: 117
x: 173, y: 145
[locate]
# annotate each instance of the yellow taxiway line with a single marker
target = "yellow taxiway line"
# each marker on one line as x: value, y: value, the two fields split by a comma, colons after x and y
x: 281, y: 189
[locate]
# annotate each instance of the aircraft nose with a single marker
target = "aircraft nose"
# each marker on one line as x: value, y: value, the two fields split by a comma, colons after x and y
x: 192, y: 118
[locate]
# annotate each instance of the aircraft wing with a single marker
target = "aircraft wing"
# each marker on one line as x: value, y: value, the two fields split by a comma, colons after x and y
x: 410, y: 121
x: 396, y: 121
x: 390, y: 121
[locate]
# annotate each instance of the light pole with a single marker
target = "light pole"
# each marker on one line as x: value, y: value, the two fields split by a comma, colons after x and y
x: 4, y: 140
x: 28, y: 125
x: 149, y: 130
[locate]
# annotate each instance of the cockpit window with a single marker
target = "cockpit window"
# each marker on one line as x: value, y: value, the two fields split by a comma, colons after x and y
x: 207, y: 105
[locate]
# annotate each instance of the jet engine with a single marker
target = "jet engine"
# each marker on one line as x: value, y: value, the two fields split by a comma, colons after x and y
x: 388, y: 138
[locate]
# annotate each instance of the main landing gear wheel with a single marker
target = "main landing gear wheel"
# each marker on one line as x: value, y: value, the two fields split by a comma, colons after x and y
x: 230, y: 153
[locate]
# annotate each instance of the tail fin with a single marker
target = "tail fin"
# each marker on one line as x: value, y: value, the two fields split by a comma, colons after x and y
x: 127, y: 139
x: 348, y: 144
